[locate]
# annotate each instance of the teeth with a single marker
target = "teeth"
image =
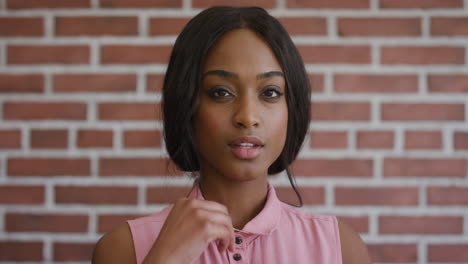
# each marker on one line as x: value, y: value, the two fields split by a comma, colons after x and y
x: 246, y: 145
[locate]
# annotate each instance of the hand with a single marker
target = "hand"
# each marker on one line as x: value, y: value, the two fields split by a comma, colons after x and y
x: 190, y: 226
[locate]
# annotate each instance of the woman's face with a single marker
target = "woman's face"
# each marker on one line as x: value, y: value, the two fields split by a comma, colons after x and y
x: 241, y: 122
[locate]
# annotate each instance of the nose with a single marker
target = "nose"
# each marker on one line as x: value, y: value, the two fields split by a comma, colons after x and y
x: 246, y: 113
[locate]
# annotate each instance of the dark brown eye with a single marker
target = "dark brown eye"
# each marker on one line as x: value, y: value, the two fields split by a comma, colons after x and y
x: 219, y: 93
x: 272, y: 93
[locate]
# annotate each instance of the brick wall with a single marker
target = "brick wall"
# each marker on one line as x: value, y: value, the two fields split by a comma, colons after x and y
x: 80, y: 131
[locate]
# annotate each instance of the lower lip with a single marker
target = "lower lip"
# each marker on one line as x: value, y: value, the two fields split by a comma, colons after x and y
x: 246, y: 153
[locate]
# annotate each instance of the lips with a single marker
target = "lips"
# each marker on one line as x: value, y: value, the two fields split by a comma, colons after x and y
x: 247, y: 147
x: 247, y: 141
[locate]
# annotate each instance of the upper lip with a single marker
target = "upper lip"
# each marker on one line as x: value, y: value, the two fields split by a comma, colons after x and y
x: 247, y: 139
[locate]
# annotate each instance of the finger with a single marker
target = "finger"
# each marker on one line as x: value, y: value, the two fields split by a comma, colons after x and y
x: 212, y: 217
x: 232, y: 240
x: 226, y: 221
x: 221, y: 233
x: 210, y: 221
x: 228, y: 241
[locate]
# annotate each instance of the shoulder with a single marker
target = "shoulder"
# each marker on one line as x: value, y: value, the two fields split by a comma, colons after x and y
x: 353, y: 249
x: 118, y: 245
x: 299, y: 214
x: 115, y: 247
x: 311, y: 225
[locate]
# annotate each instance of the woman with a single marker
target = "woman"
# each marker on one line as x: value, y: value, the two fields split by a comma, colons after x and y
x: 236, y: 105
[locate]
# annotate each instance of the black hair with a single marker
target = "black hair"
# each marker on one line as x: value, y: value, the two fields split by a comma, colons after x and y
x: 183, y: 77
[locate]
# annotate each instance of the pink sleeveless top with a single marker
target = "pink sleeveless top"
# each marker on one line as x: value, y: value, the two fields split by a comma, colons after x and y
x: 280, y: 233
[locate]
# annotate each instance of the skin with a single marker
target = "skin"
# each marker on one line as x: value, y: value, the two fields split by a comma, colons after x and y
x: 242, y: 93
x: 248, y: 98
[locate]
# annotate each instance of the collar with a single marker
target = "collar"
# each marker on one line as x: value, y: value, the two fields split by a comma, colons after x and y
x: 265, y: 222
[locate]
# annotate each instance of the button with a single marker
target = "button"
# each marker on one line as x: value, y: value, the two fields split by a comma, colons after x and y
x: 237, y: 257
x: 238, y: 240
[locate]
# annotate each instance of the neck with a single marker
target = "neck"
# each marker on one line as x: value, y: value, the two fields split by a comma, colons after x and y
x: 243, y: 199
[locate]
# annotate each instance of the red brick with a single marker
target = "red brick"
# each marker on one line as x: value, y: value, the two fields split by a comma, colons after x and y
x: 96, y: 195
x: 376, y: 196
x: 166, y: 194
x: 208, y: 3
x: 310, y: 195
x: 48, y: 167
x: 414, y: 167
x: 44, y: 111
x: 154, y: 82
x: 108, y: 222
x: 21, y: 83
x: 141, y: 3
x: 96, y: 26
x: 10, y: 139
x: 450, y: 83
x: 438, y: 195
x: 142, y: 139
x: 423, y: 112
x: 421, y: 4
x: 393, y: 253
x: 135, y: 54
x: 136, y: 167
x: 375, y: 83
x: 359, y: 224
x: 449, y: 26
x: 21, y: 26
x: 379, y: 27
x: 337, y: 4
x: 423, y: 140
x: 349, y: 54
x: 167, y: 25
x: 333, y: 167
x: 448, y: 253
x: 95, y: 138
x: 129, y: 111
x: 21, y: 194
x: 66, y: 251
x: 21, y: 251
x: 460, y: 140
x: 95, y: 83
x: 329, y: 139
x: 317, y: 82
x: 48, y: 4
x: 52, y: 139
x: 423, y: 225
x: 421, y: 55
x: 54, y: 223
x: 305, y: 25
x: 340, y: 111
x: 48, y: 54
x: 375, y: 139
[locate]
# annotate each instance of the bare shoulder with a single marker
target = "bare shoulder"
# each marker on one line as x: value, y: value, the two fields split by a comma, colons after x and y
x: 115, y: 247
x: 353, y: 249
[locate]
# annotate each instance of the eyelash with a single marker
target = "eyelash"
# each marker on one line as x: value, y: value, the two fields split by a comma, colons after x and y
x: 214, y: 93
x: 277, y: 91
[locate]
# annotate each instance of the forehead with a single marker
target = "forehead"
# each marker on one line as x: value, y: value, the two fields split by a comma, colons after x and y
x: 241, y: 51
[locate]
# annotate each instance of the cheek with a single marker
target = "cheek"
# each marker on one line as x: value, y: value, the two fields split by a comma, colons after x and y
x: 279, y: 125
x: 207, y: 123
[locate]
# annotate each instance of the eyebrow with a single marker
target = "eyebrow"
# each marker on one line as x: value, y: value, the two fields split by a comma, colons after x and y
x: 227, y: 74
